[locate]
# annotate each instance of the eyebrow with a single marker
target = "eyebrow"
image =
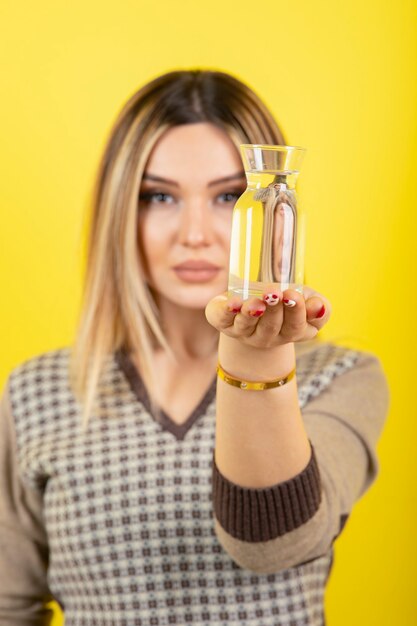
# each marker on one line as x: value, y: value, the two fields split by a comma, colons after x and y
x: 238, y: 175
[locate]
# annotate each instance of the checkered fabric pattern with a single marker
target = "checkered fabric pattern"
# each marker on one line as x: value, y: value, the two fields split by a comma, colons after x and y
x: 128, y: 506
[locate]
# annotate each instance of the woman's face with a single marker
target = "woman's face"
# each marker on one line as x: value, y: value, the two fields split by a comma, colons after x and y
x: 191, y: 182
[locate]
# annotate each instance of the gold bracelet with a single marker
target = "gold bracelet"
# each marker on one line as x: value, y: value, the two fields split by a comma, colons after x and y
x: 249, y: 384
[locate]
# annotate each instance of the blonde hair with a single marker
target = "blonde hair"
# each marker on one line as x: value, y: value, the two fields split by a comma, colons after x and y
x: 118, y: 310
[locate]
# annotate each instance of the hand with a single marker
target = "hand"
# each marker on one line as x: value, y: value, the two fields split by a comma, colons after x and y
x: 265, y: 324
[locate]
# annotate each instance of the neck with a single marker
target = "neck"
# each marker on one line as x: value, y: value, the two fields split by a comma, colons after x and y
x: 188, y: 332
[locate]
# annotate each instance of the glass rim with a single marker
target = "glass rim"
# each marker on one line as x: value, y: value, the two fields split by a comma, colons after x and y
x: 271, y: 146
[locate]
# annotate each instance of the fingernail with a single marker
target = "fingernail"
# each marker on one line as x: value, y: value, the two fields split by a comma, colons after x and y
x: 321, y: 312
x: 255, y: 313
x: 288, y: 302
x: 271, y: 298
x: 234, y: 309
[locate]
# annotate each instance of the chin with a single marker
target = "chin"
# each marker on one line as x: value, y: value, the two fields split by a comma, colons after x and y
x: 197, y: 296
x: 189, y: 295
x: 200, y: 298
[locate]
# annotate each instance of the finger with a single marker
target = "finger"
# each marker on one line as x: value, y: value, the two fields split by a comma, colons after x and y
x: 313, y: 306
x: 272, y: 296
x: 318, y: 310
x: 246, y: 320
x: 295, y: 317
x: 309, y: 291
x: 269, y: 324
x: 222, y: 310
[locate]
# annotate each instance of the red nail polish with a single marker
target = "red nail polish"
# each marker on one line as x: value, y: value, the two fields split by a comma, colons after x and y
x: 289, y: 302
x: 234, y: 309
x: 256, y: 313
x: 271, y: 298
x: 321, y: 312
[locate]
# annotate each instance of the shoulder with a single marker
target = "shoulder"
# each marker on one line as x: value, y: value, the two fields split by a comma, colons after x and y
x: 41, y: 394
x: 317, y: 354
x: 39, y: 386
x: 43, y: 370
x: 323, y: 365
x: 36, y: 404
x: 348, y: 385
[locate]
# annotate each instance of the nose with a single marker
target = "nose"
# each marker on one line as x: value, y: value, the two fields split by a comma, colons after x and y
x: 196, y: 227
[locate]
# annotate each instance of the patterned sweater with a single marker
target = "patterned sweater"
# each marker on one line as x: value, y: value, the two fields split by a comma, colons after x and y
x: 133, y: 524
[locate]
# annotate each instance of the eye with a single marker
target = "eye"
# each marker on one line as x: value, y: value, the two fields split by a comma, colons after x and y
x: 157, y: 197
x: 230, y: 196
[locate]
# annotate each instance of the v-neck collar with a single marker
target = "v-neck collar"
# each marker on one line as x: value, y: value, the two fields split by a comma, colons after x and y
x: 138, y: 387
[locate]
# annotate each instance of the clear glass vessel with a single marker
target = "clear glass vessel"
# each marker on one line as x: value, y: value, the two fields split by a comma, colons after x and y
x: 268, y: 227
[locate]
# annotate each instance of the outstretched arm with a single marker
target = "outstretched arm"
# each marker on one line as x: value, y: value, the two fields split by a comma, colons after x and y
x: 284, y: 481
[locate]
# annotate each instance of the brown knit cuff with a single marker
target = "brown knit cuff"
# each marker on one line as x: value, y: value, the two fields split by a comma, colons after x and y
x: 258, y: 514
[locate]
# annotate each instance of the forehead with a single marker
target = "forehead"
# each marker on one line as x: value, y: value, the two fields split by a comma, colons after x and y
x: 193, y: 154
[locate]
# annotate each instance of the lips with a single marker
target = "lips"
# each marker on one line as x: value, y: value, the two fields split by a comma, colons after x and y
x: 195, y: 265
x: 194, y: 271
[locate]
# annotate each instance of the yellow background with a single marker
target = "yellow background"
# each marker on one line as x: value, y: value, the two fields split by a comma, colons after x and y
x: 341, y: 79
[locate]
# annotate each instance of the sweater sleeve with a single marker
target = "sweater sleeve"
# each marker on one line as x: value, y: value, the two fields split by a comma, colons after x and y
x: 23, y: 542
x: 271, y: 529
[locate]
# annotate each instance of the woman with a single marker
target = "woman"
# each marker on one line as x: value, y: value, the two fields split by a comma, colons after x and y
x: 138, y: 487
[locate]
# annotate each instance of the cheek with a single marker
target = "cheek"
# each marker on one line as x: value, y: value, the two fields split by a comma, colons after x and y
x: 149, y: 237
x: 224, y: 228
x: 154, y: 240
